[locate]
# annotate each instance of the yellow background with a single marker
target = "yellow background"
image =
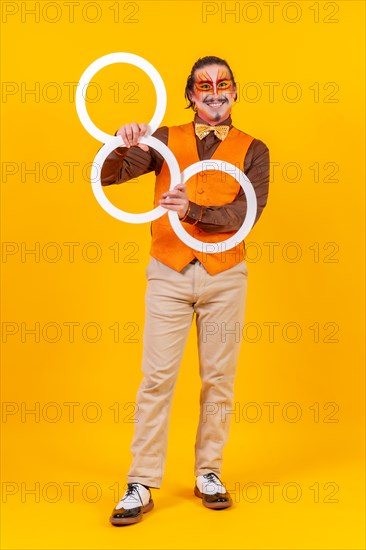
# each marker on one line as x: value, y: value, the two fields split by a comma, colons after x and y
x: 316, y: 462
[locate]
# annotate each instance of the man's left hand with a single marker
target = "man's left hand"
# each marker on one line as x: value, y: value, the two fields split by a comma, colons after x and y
x: 176, y: 200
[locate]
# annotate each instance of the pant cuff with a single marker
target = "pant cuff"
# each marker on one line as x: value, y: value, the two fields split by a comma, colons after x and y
x: 203, y: 471
x: 149, y: 482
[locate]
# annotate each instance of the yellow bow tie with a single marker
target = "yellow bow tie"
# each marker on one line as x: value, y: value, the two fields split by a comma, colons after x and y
x: 202, y: 130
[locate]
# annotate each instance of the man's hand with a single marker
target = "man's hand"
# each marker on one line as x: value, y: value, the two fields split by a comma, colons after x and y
x: 176, y: 200
x: 131, y: 133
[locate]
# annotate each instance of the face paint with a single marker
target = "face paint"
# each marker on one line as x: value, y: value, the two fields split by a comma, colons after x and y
x: 214, y: 93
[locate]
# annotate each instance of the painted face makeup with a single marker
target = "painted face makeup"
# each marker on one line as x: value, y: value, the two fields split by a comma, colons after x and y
x: 214, y: 93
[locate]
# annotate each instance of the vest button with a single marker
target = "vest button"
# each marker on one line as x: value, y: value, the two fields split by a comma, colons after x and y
x: 200, y: 191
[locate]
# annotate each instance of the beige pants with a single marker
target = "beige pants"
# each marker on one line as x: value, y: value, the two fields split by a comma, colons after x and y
x: 172, y: 298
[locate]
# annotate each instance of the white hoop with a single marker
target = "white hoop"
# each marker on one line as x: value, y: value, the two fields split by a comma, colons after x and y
x: 109, y: 59
x: 175, y: 178
x: 213, y: 248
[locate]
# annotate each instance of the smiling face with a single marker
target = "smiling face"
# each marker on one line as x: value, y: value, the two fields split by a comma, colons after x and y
x: 213, y: 94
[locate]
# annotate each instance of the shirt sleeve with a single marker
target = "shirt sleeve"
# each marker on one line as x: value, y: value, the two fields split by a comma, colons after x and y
x: 229, y: 217
x: 124, y: 163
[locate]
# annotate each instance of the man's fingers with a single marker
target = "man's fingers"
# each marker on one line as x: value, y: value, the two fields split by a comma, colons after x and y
x: 168, y: 195
x: 135, y: 129
x: 131, y: 134
x: 181, y: 187
x: 175, y: 207
x: 172, y: 201
x: 175, y: 193
x: 123, y: 134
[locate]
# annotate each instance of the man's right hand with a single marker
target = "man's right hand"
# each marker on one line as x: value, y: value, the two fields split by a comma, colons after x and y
x: 131, y: 133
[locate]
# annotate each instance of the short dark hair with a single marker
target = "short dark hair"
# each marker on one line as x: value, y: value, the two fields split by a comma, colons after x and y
x: 202, y: 62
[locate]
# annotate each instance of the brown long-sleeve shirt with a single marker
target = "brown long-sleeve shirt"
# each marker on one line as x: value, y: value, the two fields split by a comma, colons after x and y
x: 124, y: 164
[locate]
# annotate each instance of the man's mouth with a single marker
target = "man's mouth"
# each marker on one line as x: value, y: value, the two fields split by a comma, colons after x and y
x: 217, y: 103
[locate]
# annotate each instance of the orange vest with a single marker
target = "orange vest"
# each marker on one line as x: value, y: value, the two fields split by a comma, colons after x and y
x: 210, y: 188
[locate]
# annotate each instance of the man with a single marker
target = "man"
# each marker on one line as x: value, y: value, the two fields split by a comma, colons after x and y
x: 181, y: 281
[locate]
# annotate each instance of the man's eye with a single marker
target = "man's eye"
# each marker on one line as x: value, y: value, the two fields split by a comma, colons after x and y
x: 224, y: 84
x: 204, y: 86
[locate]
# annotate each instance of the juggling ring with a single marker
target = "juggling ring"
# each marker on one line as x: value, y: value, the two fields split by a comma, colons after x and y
x: 112, y: 142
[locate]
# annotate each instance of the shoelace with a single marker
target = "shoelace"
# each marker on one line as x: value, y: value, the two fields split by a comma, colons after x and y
x: 131, y: 490
x: 212, y: 478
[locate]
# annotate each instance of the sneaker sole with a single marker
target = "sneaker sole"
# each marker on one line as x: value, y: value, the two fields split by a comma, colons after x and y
x: 129, y: 521
x: 212, y: 505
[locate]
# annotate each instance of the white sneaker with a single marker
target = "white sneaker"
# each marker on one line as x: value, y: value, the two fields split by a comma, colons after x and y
x: 135, y: 502
x: 212, y: 492
x: 135, y: 495
x: 210, y: 484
